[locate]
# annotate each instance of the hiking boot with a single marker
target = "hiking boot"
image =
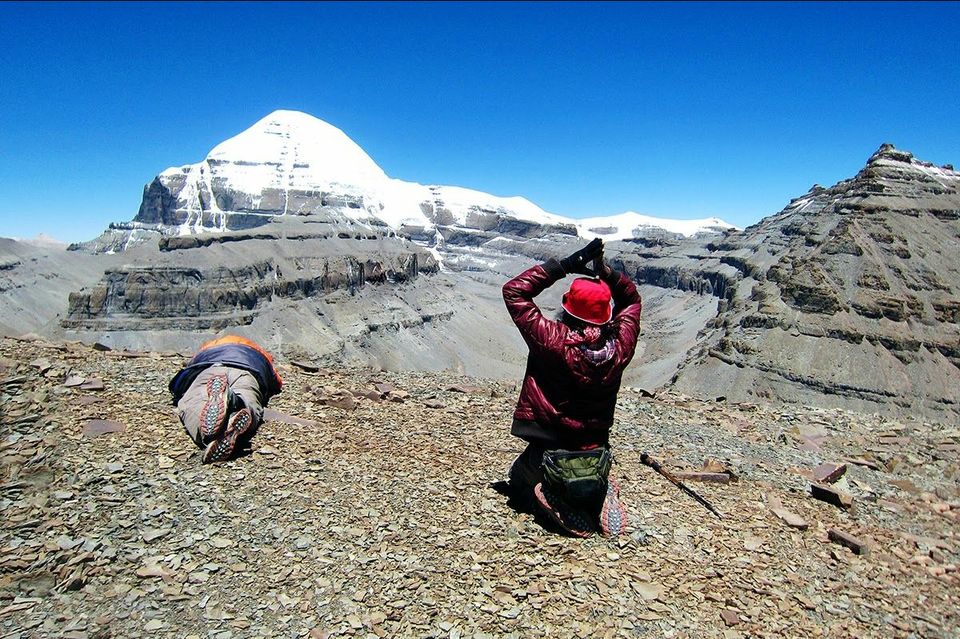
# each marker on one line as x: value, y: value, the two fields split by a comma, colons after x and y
x: 613, y: 515
x: 213, y: 413
x: 224, y: 448
x: 570, y: 519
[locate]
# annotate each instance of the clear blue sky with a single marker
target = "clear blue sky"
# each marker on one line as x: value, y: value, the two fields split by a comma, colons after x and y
x: 679, y: 110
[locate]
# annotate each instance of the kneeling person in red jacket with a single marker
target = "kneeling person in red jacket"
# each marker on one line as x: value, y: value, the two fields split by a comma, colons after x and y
x: 569, y: 393
x: 221, y: 392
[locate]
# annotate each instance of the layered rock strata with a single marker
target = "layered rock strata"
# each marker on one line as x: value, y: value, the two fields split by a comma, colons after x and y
x: 210, y: 282
x: 850, y: 295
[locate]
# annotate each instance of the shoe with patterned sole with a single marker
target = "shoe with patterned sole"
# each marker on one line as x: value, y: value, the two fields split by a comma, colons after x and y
x: 571, y: 520
x: 224, y: 448
x: 213, y: 414
x: 613, y: 514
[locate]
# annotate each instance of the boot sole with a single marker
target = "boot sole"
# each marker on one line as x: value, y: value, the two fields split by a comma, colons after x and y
x: 214, y: 410
x: 223, y: 449
x: 613, y: 515
x: 574, y: 524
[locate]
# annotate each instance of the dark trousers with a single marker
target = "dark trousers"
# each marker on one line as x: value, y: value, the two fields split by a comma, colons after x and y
x: 525, y: 473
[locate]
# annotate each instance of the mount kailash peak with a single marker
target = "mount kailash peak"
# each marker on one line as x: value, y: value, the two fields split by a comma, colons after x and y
x: 292, y: 164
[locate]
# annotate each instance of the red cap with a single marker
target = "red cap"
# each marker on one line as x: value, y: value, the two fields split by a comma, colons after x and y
x: 589, y: 300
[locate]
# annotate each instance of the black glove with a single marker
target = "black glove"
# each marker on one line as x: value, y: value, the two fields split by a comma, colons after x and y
x: 579, y: 262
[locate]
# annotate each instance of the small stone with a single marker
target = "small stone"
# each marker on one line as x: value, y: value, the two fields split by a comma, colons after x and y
x: 831, y: 496
x: 860, y: 461
x: 752, y: 543
x: 152, y: 570
x: 905, y: 485
x: 42, y: 365
x: 344, y: 402
x: 198, y: 577
x: 858, y: 546
x: 791, y: 519
x: 65, y: 543
x: 302, y: 543
x: 648, y: 591
x: 730, y: 617
x: 829, y: 473
x: 306, y: 366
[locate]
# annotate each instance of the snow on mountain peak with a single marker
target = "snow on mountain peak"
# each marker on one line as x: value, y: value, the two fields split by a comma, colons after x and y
x: 288, y: 148
x: 291, y: 163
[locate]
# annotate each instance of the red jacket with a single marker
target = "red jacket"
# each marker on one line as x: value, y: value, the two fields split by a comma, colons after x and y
x: 570, y: 386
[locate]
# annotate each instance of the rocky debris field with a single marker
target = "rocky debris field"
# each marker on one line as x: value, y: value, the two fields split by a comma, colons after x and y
x: 369, y: 507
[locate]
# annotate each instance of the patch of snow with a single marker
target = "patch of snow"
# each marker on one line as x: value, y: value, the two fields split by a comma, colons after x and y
x: 627, y: 225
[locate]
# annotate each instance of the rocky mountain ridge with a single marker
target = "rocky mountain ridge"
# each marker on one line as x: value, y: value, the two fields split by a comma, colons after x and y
x: 849, y: 297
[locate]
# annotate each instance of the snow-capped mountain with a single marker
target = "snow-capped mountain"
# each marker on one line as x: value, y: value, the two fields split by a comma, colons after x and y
x: 292, y: 164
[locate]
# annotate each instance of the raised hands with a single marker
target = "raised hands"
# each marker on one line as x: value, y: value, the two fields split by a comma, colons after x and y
x: 581, y: 262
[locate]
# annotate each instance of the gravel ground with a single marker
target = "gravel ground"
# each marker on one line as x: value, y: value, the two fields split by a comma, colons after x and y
x: 368, y: 508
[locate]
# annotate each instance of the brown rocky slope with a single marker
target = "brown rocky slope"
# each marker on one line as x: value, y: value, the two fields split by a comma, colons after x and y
x: 849, y: 297
x: 367, y: 509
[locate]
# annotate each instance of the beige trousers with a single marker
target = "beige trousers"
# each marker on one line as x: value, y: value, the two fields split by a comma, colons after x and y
x: 240, y: 382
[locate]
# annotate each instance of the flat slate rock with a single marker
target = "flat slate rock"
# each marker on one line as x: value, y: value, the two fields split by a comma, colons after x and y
x: 790, y: 518
x: 98, y: 427
x: 831, y: 496
x: 92, y: 384
x: 855, y: 544
x: 829, y: 473
x: 306, y: 366
x: 74, y: 380
x: 271, y: 415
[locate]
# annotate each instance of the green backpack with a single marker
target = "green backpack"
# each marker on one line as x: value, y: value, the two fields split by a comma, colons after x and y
x: 578, y: 476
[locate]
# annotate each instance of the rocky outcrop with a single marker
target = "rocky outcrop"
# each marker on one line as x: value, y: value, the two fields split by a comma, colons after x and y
x: 849, y: 295
x: 209, y: 282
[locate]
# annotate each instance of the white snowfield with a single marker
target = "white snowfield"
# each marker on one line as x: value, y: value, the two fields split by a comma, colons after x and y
x: 626, y: 225
x: 291, y: 150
